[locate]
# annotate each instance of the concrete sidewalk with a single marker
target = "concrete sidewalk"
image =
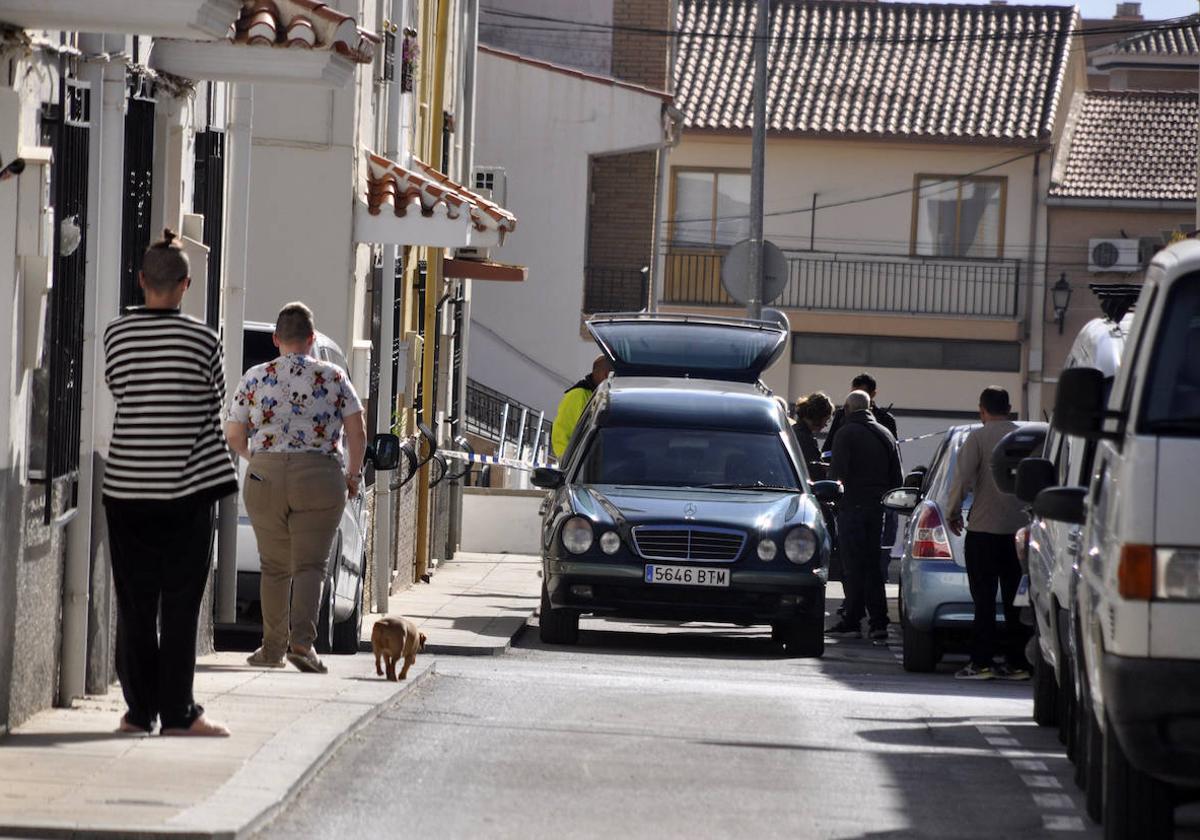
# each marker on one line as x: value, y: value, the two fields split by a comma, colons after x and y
x: 475, y: 604
x: 65, y: 773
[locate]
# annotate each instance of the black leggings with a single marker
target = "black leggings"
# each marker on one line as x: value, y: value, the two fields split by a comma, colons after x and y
x: 161, y: 556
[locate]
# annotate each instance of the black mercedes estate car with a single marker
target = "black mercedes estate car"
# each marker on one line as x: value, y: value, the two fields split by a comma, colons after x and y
x: 683, y: 494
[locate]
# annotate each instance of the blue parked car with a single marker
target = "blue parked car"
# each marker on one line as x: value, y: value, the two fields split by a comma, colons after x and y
x: 936, y: 609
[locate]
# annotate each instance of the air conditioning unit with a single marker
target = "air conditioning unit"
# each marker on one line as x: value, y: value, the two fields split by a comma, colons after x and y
x: 1114, y: 255
x: 491, y: 182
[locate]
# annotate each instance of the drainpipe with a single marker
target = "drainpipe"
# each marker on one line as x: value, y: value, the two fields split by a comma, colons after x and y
x: 384, y: 550
x: 233, y: 307
x: 105, y: 164
x: 433, y: 285
x: 1037, y: 293
x: 471, y: 55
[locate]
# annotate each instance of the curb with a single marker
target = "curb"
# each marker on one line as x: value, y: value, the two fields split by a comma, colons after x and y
x: 11, y: 832
x: 364, y: 645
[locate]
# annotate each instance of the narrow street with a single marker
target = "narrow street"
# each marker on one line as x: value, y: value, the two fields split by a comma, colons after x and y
x: 650, y: 730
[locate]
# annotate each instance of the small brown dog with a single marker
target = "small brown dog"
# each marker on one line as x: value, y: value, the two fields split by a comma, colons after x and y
x: 395, y: 638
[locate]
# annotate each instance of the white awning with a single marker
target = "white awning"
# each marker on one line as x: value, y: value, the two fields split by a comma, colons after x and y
x: 160, y: 18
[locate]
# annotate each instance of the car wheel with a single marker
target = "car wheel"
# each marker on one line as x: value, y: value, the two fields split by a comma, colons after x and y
x: 920, y: 649
x: 1066, y: 689
x: 347, y: 633
x: 1045, y: 688
x: 1136, y: 805
x: 324, y: 641
x: 556, y: 627
x: 804, y: 636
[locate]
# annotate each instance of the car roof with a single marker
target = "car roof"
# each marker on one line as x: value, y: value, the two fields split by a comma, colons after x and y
x: 263, y: 326
x: 655, y: 401
x: 1100, y: 343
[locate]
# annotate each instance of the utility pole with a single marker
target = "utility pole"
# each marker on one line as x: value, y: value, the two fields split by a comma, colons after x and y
x: 757, y: 163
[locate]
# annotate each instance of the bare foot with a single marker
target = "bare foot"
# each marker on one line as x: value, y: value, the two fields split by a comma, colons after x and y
x: 201, y: 727
x: 127, y: 728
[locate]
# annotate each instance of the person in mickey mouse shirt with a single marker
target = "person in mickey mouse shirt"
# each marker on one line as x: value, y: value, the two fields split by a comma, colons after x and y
x: 288, y: 418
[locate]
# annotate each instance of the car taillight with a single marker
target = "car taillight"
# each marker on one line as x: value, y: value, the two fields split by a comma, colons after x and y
x: 1135, y: 572
x: 930, y: 541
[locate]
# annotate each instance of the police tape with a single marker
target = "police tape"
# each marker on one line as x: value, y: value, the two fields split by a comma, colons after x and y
x: 923, y: 437
x: 472, y: 458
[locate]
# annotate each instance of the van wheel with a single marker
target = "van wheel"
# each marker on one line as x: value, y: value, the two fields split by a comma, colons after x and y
x: 1094, y: 768
x: 556, y: 627
x: 1045, y: 688
x: 347, y: 633
x: 920, y: 649
x: 324, y: 640
x: 1066, y: 689
x: 1136, y: 805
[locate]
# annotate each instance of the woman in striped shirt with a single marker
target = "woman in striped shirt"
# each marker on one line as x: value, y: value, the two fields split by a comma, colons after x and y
x: 168, y: 464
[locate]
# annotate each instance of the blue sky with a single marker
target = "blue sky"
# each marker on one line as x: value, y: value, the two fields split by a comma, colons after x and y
x: 1151, y: 9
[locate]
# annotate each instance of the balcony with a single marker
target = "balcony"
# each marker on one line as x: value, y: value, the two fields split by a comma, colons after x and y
x: 615, y: 289
x: 873, y: 283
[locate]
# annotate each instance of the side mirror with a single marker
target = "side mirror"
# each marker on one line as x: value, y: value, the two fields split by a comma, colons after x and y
x: 548, y: 478
x: 826, y: 490
x: 1033, y: 476
x: 1062, y: 504
x: 915, y: 479
x: 1079, y: 403
x: 1012, y: 449
x: 384, y: 452
x: 902, y: 499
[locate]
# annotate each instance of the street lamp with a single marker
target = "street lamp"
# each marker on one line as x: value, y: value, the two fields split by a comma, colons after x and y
x: 1060, y: 294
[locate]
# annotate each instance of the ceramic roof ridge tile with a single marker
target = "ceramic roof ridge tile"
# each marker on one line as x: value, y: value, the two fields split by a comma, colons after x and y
x: 303, y: 24
x: 1182, y: 38
x: 421, y: 187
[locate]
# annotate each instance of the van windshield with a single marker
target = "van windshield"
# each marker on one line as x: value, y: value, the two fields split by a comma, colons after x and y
x: 714, y: 458
x: 1172, y: 403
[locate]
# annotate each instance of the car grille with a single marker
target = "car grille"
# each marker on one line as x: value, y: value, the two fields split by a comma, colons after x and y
x: 714, y: 545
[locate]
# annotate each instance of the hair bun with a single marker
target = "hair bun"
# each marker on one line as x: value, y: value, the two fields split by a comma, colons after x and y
x: 168, y: 235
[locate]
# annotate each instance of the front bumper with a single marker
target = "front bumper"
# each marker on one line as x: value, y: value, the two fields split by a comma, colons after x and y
x: 619, y: 589
x: 1154, y: 706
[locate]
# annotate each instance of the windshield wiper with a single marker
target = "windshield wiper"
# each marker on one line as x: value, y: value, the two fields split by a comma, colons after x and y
x: 731, y: 486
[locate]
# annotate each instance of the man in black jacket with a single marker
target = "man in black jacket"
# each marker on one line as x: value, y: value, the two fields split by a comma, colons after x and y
x: 863, y: 382
x: 867, y: 462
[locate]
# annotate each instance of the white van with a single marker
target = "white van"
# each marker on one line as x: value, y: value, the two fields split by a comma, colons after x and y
x: 1137, y: 632
x: 1053, y: 547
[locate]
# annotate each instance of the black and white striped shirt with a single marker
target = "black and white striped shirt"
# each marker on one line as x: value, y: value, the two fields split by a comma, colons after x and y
x: 166, y: 372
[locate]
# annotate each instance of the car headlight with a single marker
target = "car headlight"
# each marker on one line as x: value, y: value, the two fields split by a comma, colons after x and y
x: 577, y: 535
x: 610, y: 542
x: 767, y: 550
x: 800, y: 544
x: 1178, y: 574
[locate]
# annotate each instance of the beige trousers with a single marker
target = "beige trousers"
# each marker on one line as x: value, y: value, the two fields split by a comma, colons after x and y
x: 295, y: 502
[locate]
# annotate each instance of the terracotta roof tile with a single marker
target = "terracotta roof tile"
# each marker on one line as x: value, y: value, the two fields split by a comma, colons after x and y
x: 877, y: 69
x: 1132, y: 144
x: 1176, y: 40
x: 422, y: 189
x: 302, y: 24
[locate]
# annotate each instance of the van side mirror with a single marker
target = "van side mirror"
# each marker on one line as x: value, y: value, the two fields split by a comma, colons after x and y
x: 826, y: 490
x: 1033, y: 476
x: 1062, y: 504
x: 547, y: 478
x: 1079, y: 408
x: 1011, y: 450
x: 902, y: 499
x: 384, y: 452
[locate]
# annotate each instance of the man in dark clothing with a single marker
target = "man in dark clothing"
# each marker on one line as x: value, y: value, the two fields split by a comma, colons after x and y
x: 574, y: 401
x: 863, y: 382
x: 866, y: 461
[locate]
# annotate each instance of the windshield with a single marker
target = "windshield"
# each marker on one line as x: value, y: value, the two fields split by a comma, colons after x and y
x: 1173, y: 383
x: 688, y: 458
x: 257, y: 348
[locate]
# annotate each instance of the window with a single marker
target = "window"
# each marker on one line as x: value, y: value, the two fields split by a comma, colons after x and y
x: 958, y: 216
x: 890, y: 352
x: 711, y: 208
x: 1172, y: 401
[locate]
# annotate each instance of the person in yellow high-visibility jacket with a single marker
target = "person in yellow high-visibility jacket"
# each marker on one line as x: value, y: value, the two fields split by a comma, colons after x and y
x: 574, y: 401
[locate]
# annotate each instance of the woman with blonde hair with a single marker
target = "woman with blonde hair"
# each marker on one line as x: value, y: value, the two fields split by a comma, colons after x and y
x: 812, y: 414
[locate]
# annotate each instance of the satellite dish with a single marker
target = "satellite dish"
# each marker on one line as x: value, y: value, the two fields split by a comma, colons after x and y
x: 735, y: 272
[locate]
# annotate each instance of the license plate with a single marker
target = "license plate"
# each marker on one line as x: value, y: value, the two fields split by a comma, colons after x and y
x: 1022, y: 596
x: 687, y: 575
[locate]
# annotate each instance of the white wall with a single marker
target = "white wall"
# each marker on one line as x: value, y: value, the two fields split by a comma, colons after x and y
x: 587, y: 50
x: 542, y: 125
x: 501, y: 521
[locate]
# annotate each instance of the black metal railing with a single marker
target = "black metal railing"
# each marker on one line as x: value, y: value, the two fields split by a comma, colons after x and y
x: 860, y: 283
x: 615, y: 289
x: 139, y: 186
x: 65, y: 130
x: 485, y: 414
x: 209, y: 201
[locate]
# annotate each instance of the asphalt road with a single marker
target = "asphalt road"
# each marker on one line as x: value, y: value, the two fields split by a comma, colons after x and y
x: 650, y: 730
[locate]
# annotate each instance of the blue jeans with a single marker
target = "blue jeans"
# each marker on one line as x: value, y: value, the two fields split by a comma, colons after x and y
x: 859, y: 531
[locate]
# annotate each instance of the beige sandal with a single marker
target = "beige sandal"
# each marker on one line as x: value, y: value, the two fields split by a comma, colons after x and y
x: 127, y: 728
x: 308, y: 662
x: 201, y: 727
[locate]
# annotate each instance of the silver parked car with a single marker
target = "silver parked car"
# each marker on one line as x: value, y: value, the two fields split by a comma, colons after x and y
x: 936, y: 609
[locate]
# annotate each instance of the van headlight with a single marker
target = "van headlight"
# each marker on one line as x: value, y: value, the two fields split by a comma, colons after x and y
x: 577, y: 535
x: 800, y: 544
x: 1178, y: 575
